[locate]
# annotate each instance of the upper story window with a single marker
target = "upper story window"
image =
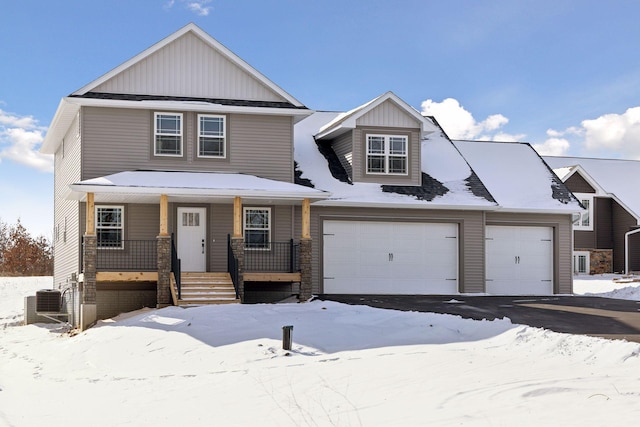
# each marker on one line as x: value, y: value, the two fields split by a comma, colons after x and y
x: 211, y: 136
x: 257, y: 228
x: 109, y: 226
x: 387, y: 154
x: 168, y: 134
x: 584, y: 220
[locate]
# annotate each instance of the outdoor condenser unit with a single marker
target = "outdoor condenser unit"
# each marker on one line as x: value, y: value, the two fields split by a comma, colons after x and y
x: 48, y: 301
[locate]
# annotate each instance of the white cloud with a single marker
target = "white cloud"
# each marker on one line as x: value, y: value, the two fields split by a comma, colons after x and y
x: 552, y: 147
x: 614, y: 132
x: 459, y: 123
x: 199, y: 8
x: 20, y: 139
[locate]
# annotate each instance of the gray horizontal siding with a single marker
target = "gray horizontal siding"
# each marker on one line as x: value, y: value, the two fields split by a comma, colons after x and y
x: 359, y: 174
x: 66, y: 212
x: 116, y: 140
x: 343, y: 147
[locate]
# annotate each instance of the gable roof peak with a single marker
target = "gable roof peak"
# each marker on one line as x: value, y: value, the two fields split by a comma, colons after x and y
x: 191, y: 28
x: 348, y: 120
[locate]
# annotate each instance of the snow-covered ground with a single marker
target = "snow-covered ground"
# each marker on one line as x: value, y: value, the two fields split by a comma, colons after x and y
x: 350, y: 366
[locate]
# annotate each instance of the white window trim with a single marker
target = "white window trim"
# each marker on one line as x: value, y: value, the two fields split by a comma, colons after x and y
x: 121, y: 207
x: 156, y: 134
x: 587, y: 255
x: 579, y: 226
x: 224, y: 136
x: 244, y: 226
x: 386, y: 154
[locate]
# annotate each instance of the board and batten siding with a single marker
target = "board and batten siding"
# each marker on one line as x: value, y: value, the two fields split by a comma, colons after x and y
x: 470, y: 237
x: 189, y: 67
x: 66, y: 238
x: 388, y: 114
x: 117, y: 139
x: 563, y: 250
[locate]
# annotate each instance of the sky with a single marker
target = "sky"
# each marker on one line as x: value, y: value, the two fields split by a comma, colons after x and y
x: 348, y: 365
x: 562, y: 75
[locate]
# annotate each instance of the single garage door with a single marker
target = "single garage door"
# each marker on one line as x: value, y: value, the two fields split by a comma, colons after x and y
x: 370, y: 257
x: 519, y: 260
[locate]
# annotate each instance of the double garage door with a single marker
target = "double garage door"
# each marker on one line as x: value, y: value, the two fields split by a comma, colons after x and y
x: 369, y: 257
x: 372, y: 257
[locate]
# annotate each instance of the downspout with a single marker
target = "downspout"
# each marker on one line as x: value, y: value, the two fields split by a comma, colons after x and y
x: 626, y: 248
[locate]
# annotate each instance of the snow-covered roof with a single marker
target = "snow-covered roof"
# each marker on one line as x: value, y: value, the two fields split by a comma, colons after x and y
x: 440, y: 160
x: 146, y: 186
x: 617, y: 178
x: 517, y: 177
x: 345, y: 121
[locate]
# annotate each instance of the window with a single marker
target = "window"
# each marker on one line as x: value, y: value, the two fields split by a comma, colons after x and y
x: 109, y: 226
x: 168, y: 134
x: 584, y: 220
x: 387, y: 154
x: 257, y: 228
x: 581, y: 262
x: 211, y: 136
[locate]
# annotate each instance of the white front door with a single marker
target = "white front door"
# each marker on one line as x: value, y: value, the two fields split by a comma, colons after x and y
x: 192, y: 239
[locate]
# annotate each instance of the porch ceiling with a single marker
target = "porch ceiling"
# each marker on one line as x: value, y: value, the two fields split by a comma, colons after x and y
x: 147, y: 186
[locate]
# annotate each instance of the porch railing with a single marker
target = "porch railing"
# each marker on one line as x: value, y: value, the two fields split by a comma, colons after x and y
x: 133, y: 255
x: 232, y: 265
x: 175, y: 266
x: 283, y: 257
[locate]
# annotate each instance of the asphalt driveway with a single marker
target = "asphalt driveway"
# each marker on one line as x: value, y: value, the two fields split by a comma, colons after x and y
x: 595, y: 316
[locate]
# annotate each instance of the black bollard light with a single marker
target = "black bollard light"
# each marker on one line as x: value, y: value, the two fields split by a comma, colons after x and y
x: 286, y: 337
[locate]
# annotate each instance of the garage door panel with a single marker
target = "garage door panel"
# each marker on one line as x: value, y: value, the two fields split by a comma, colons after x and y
x: 519, y: 260
x: 390, y: 257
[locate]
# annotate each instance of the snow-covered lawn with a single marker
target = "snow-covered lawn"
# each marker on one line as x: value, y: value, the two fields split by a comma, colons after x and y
x: 350, y: 366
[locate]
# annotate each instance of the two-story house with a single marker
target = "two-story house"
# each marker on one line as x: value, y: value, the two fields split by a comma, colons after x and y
x: 184, y: 176
x: 607, y: 232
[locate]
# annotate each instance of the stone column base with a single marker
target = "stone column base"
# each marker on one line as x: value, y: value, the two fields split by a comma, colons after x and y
x: 305, y: 270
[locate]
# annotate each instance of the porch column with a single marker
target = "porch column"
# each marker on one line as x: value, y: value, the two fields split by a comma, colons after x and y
x: 88, y: 307
x: 164, y: 214
x: 237, y: 244
x: 305, y: 253
x: 163, y: 287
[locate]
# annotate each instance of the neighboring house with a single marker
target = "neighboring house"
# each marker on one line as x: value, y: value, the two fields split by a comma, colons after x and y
x: 184, y: 171
x: 606, y: 233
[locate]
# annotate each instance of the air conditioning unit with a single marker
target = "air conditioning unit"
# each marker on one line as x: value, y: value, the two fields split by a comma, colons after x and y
x: 48, y: 301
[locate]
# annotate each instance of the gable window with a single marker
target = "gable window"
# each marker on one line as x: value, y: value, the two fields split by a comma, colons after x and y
x: 211, y: 136
x: 109, y: 226
x: 584, y: 220
x: 257, y: 228
x: 387, y: 154
x: 168, y: 134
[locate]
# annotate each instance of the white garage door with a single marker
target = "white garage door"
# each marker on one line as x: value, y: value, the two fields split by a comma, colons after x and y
x: 367, y: 257
x: 519, y: 260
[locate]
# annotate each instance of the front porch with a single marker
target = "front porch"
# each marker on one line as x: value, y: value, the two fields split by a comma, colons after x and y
x: 123, y: 263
